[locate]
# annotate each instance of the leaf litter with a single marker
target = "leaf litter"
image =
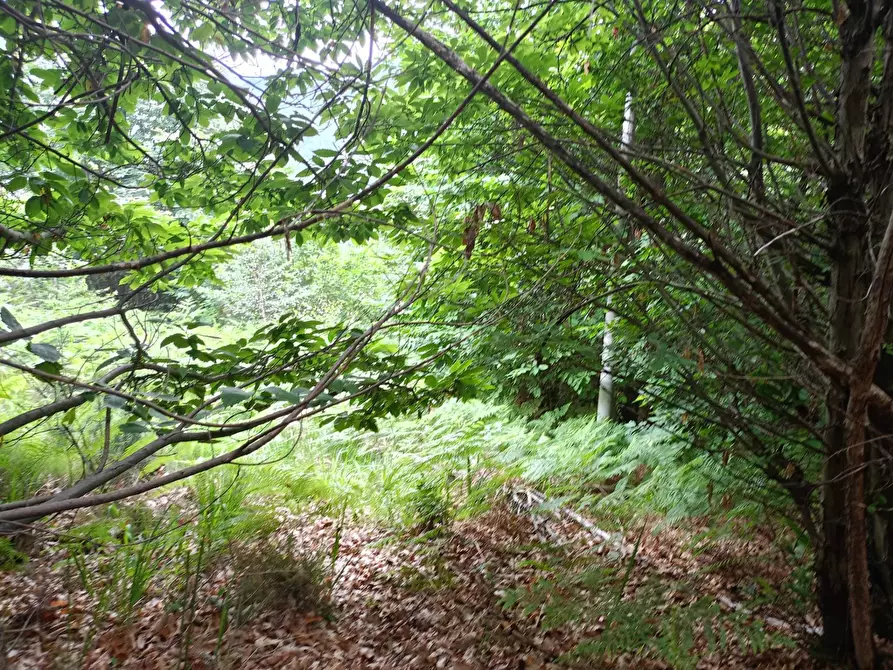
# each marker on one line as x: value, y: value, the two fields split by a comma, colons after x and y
x: 397, y: 601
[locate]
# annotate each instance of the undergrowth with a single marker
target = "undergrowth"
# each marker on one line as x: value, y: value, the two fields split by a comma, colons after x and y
x: 268, y: 575
x: 417, y: 476
x: 653, y: 617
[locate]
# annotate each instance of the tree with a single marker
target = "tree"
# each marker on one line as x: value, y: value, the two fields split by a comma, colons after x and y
x: 96, y: 186
x: 763, y: 168
x: 606, y: 402
x: 752, y: 276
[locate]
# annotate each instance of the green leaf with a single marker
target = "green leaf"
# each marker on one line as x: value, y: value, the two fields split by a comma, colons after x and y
x: 178, y: 340
x: 47, y: 352
x: 34, y: 206
x: 133, y: 428
x: 322, y: 399
x: 114, y: 401
x: 16, y: 184
x: 10, y: 320
x: 203, y: 32
x: 230, y: 395
x: 49, y: 367
x: 285, y: 396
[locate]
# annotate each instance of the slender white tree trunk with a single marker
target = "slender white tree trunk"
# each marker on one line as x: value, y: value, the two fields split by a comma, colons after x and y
x: 606, y: 378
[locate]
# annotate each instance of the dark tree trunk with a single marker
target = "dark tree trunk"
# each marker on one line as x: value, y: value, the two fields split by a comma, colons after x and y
x: 831, y: 563
x: 880, y: 472
x: 880, y: 500
x: 843, y: 573
x: 879, y: 526
x: 848, y: 286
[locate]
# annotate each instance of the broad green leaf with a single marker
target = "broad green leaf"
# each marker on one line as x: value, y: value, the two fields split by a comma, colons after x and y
x: 47, y: 352
x: 230, y: 395
x: 114, y: 401
x: 34, y: 206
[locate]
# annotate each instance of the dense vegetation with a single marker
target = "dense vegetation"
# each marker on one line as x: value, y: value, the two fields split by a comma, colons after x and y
x: 643, y: 251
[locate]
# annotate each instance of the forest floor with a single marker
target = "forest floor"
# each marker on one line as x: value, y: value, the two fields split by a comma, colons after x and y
x: 399, y: 602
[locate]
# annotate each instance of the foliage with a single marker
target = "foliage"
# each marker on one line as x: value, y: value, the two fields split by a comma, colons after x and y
x: 10, y: 557
x: 120, y: 556
x: 133, y: 548
x: 657, y: 618
x: 354, y: 212
x: 329, y: 283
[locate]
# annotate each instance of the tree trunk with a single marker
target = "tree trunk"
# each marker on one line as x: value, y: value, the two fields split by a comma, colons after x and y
x: 606, y: 405
x: 879, y: 535
x: 830, y: 565
x: 872, y: 329
x: 855, y: 318
x: 858, y: 580
x: 606, y: 378
x: 848, y: 287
